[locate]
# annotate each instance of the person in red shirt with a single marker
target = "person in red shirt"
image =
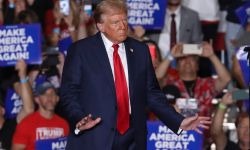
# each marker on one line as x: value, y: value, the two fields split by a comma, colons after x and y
x: 43, y: 124
x: 186, y: 78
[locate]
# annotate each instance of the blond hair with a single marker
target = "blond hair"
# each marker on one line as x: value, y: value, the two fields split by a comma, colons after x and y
x: 106, y: 6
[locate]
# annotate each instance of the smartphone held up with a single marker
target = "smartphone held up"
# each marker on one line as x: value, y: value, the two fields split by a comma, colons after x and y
x: 64, y: 7
x: 87, y: 9
x: 240, y: 94
x: 192, y: 49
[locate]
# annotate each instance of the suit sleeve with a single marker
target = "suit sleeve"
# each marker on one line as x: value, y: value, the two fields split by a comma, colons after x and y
x: 157, y: 100
x: 70, y: 86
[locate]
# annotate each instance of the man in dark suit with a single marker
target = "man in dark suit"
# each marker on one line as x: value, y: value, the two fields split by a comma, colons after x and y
x: 111, y: 76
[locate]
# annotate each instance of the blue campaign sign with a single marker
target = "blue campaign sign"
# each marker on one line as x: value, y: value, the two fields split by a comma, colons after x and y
x: 241, y: 55
x: 52, y: 144
x: 20, y: 42
x: 160, y: 137
x: 41, y: 78
x: 64, y: 45
x: 243, y: 13
x: 13, y: 103
x: 147, y: 13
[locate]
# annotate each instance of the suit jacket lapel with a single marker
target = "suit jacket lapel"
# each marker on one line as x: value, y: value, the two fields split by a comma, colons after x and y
x: 102, y: 58
x: 130, y: 62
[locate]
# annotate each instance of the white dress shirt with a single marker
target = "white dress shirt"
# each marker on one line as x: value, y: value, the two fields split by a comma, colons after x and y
x: 164, y: 39
x: 122, y: 53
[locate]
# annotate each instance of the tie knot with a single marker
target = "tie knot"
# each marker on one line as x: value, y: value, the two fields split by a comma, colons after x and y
x: 115, y: 46
x: 173, y: 15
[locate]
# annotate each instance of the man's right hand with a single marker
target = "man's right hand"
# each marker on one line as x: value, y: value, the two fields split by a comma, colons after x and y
x: 227, y: 99
x: 87, y: 123
x: 21, y: 67
x: 176, y: 51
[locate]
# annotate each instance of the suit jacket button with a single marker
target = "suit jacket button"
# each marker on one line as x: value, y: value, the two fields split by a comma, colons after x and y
x: 112, y: 129
x: 115, y: 107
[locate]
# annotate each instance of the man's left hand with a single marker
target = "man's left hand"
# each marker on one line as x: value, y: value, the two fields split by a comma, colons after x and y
x: 207, y: 50
x: 195, y: 123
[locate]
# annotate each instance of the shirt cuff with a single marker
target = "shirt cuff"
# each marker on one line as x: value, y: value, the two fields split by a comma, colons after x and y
x: 179, y: 131
x: 169, y: 56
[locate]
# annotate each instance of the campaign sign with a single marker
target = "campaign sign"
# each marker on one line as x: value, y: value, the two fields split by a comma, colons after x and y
x: 40, y: 79
x: 160, y: 137
x: 241, y: 56
x: 52, y: 144
x: 147, y: 13
x: 243, y: 13
x: 20, y: 42
x: 13, y: 104
x: 64, y: 44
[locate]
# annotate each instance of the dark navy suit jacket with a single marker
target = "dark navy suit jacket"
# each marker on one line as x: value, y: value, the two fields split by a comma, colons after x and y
x: 88, y: 87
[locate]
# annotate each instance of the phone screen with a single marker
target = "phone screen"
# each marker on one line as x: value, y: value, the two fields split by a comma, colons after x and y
x: 88, y: 9
x: 241, y: 94
x: 192, y: 49
x: 64, y: 7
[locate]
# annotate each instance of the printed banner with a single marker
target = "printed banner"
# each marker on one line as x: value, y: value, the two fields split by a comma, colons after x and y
x: 243, y: 13
x: 147, y: 13
x: 241, y: 55
x: 52, y: 144
x: 20, y: 42
x: 160, y: 137
x: 64, y: 45
x: 13, y: 104
x: 40, y: 79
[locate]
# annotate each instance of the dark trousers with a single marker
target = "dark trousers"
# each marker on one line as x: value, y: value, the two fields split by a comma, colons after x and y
x: 125, y: 141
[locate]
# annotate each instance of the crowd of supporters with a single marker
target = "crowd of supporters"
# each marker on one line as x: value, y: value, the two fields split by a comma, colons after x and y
x: 201, y: 79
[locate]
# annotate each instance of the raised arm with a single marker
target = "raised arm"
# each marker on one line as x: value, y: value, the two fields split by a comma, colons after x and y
x: 1, y: 13
x: 217, y: 132
x: 59, y: 66
x: 161, y: 70
x: 223, y: 75
x: 82, y: 26
x: 25, y: 91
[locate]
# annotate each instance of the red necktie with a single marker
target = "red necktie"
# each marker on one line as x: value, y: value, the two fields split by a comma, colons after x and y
x: 121, y: 93
x: 172, y: 32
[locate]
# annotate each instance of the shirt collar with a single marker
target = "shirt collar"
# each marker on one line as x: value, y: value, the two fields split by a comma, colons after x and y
x: 177, y: 12
x: 108, y: 44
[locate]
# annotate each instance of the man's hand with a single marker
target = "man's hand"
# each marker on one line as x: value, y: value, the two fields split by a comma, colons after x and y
x: 87, y: 123
x: 139, y: 31
x: 21, y: 67
x: 195, y: 122
x: 177, y: 50
x: 227, y: 99
x: 207, y: 50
